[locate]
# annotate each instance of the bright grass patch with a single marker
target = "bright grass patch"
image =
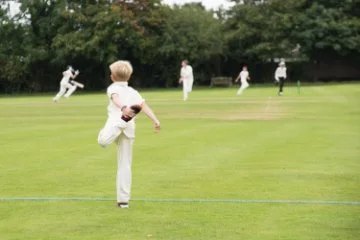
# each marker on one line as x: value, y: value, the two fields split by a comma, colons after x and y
x: 216, y: 146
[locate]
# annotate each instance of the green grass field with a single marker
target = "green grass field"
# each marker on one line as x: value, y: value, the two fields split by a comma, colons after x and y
x: 215, y: 147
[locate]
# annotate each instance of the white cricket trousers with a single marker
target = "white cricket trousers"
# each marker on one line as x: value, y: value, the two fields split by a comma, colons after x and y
x: 187, y: 88
x: 63, y: 87
x: 112, y: 133
x: 244, y: 85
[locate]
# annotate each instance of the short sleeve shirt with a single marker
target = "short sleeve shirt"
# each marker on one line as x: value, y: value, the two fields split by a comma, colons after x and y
x: 128, y: 96
x: 244, y: 75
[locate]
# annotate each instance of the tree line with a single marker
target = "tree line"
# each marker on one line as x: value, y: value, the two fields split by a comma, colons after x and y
x: 45, y: 36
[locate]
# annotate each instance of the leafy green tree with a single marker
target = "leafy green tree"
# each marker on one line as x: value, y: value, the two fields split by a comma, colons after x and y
x: 148, y: 19
x: 13, y: 62
x: 39, y: 22
x: 97, y: 33
x: 327, y: 29
x: 260, y: 31
x: 192, y: 33
x: 46, y: 35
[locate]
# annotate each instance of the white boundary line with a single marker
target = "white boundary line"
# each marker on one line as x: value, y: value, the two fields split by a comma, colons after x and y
x: 184, y: 200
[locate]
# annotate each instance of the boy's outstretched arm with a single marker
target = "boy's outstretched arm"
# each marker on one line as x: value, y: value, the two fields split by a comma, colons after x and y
x: 147, y: 110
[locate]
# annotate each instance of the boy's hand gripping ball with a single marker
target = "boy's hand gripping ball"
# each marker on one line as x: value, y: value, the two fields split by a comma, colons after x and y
x: 135, y: 108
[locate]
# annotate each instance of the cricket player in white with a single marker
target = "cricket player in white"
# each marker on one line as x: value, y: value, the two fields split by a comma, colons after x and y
x: 280, y: 76
x: 121, y: 98
x: 243, y: 76
x: 66, y: 85
x: 186, y: 78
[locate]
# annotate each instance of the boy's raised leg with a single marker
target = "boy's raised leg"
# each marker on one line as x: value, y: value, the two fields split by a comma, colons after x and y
x: 110, y: 132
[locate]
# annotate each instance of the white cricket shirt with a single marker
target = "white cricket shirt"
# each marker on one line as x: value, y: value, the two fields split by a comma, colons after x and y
x: 187, y: 73
x: 280, y: 72
x: 66, y: 77
x: 244, y: 76
x: 128, y: 96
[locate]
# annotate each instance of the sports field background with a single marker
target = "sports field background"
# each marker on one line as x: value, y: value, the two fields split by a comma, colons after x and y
x: 215, y: 147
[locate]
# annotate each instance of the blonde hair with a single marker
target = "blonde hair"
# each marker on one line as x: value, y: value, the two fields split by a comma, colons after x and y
x: 121, y: 70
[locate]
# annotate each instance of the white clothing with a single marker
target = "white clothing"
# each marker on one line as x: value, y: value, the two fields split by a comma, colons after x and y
x: 110, y: 133
x: 186, y: 73
x: 66, y: 76
x: 70, y: 90
x: 123, y: 133
x: 280, y: 72
x: 244, y: 85
x: 244, y: 75
x: 128, y: 96
x: 187, y: 88
x: 65, y: 85
x: 123, y: 176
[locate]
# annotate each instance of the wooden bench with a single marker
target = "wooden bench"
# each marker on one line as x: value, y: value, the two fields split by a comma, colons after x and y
x: 224, y: 81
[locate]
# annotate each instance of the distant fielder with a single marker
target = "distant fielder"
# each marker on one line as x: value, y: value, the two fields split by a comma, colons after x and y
x: 280, y: 76
x: 244, y: 77
x: 124, y: 103
x: 68, y: 87
x: 186, y: 78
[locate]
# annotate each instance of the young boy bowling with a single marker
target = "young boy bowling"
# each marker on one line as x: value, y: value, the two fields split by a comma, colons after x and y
x: 124, y: 103
x: 65, y: 85
x: 244, y: 77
